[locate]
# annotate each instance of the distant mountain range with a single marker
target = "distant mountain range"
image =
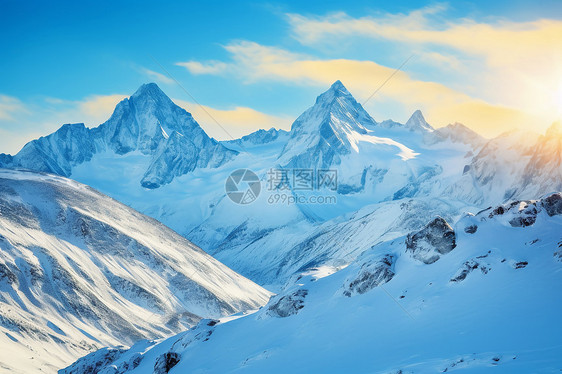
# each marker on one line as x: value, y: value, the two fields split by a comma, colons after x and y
x: 328, y: 134
x: 409, y: 206
x: 153, y: 155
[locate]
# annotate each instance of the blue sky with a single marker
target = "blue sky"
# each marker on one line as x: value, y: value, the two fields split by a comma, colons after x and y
x: 260, y: 64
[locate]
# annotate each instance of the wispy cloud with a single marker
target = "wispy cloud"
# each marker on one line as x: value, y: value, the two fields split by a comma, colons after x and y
x: 208, y: 67
x: 515, y: 63
x: 158, y: 77
x: 443, y: 105
x: 9, y: 106
x: 239, y: 121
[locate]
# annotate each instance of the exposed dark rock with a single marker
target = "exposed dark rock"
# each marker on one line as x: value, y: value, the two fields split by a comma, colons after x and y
x: 95, y: 361
x: 524, y: 213
x: 288, y: 305
x: 527, y: 216
x: 133, y: 363
x: 467, y: 268
x: 553, y: 204
x: 6, y: 274
x: 435, y: 239
x: 498, y: 211
x: 166, y: 362
x: 371, y: 275
x: 520, y: 264
x: 471, y: 229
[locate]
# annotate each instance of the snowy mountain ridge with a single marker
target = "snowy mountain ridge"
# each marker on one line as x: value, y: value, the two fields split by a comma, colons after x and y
x: 79, y: 271
x: 379, y: 165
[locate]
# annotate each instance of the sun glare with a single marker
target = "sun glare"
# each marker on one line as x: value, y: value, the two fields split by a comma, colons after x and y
x: 559, y: 100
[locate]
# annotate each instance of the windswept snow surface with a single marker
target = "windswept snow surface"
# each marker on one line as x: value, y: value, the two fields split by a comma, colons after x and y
x: 489, y: 303
x: 79, y: 270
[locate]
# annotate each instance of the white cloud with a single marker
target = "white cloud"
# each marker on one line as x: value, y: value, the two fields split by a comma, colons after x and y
x: 514, y: 63
x: 442, y: 105
x: 208, y: 67
x: 238, y: 121
x: 158, y: 77
x: 9, y: 106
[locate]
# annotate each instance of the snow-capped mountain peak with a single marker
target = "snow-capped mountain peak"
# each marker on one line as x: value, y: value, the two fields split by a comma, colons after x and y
x: 417, y: 122
x: 141, y: 122
x: 150, y: 90
x: 336, y: 90
x: 327, y: 130
x: 459, y: 133
x: 144, y: 122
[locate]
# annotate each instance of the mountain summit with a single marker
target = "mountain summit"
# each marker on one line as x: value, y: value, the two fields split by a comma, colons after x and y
x: 147, y: 122
x: 417, y: 122
x: 327, y: 130
x: 143, y: 121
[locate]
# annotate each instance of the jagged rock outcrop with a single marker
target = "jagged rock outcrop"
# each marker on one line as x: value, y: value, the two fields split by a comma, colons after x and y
x: 524, y: 213
x: 467, y: 268
x: 166, y: 362
x: 287, y: 305
x: 435, y: 239
x: 371, y: 275
x: 94, y: 362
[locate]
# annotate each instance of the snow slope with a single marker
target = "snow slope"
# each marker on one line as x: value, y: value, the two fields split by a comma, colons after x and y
x: 272, y: 256
x: 488, y: 301
x: 78, y: 271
